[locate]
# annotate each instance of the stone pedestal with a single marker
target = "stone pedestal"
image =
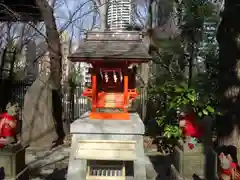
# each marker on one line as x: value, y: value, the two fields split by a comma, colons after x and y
x: 108, y: 140
x: 200, y: 161
x: 191, y: 162
x: 187, y: 162
x: 12, y: 160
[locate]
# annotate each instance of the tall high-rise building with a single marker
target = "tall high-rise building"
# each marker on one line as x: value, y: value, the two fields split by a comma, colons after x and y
x: 120, y: 14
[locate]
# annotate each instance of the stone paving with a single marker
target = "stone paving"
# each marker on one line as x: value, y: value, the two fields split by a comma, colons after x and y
x: 52, y: 165
x: 47, y: 164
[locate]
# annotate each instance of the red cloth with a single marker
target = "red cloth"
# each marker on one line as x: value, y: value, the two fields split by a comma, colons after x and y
x: 6, y: 130
x: 226, y: 171
x: 191, y: 128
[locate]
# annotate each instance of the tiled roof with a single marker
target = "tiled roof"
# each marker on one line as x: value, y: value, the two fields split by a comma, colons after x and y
x: 124, y: 47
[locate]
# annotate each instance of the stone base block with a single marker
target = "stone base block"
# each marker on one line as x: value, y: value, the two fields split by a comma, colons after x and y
x: 107, y: 140
x: 175, y: 174
x: 197, y: 162
x: 12, y: 161
x: 187, y: 162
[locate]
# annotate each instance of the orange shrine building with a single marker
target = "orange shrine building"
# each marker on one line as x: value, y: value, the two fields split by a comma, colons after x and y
x: 113, y: 57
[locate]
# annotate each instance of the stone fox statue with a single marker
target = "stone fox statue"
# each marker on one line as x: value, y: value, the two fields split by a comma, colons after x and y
x: 8, y: 122
x: 229, y: 168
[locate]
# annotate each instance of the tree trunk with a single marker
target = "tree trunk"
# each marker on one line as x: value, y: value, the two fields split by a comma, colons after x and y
x: 190, y: 63
x: 229, y: 79
x: 102, y: 7
x: 53, y: 40
x: 54, y: 48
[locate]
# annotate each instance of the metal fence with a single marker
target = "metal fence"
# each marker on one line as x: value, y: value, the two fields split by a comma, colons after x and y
x: 74, y: 104
x: 14, y: 91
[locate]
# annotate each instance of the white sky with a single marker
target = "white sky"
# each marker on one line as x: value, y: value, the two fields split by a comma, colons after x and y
x: 79, y: 11
x: 83, y: 11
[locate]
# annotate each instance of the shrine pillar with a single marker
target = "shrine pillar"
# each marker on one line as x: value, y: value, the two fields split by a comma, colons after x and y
x: 94, y: 91
x: 125, y: 91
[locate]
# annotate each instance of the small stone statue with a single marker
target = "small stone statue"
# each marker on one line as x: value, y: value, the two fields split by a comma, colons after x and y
x: 229, y: 168
x: 8, y: 124
x: 191, y: 129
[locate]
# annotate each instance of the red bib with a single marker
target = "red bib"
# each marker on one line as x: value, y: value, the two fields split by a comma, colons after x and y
x: 7, y: 126
x: 191, y: 128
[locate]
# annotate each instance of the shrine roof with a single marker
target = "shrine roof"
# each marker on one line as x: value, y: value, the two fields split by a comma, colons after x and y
x: 111, y: 46
x: 19, y: 10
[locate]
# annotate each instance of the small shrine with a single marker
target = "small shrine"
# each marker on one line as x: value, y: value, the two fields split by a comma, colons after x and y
x: 113, y: 57
x: 107, y: 143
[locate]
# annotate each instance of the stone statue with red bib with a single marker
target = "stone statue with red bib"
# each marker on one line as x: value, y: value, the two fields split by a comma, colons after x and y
x: 8, y: 123
x: 191, y: 129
